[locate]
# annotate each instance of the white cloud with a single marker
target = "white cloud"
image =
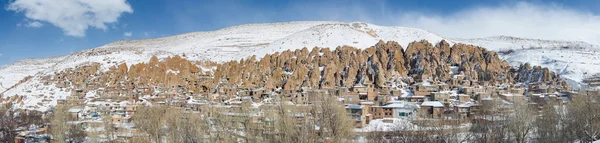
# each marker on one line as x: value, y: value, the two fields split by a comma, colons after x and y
x: 128, y: 34
x: 1, y: 54
x: 74, y: 17
x: 521, y: 19
x: 34, y: 24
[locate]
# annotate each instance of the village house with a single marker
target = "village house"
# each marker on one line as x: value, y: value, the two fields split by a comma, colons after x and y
x: 60, y: 101
x: 424, y: 89
x: 75, y: 113
x: 365, y: 92
x: 395, y: 109
x: 413, y: 99
x: 520, y: 91
x: 195, y: 106
x: 442, y: 96
x: 481, y: 95
x: 443, y: 86
x: 351, y: 98
x: 130, y: 109
x: 432, y: 110
x: 117, y: 119
x: 357, y: 113
x: 299, y: 98
x: 512, y: 97
x: 463, y: 111
x: 464, y: 98
x: 384, y: 98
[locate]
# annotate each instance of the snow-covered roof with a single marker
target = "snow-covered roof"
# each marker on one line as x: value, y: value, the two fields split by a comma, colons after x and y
x: 74, y: 110
x: 209, y: 46
x: 432, y: 104
x: 464, y: 105
x: 366, y: 103
x: 401, y: 104
x: 385, y: 125
x: 354, y: 106
x: 510, y: 94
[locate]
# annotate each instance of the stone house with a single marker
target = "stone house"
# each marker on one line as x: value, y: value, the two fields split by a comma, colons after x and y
x: 432, y: 110
x: 60, y: 101
x: 520, y: 91
x: 379, y: 112
x: 365, y: 92
x: 464, y: 98
x: 513, y: 97
x: 130, y: 109
x: 421, y: 89
x: 463, y: 111
x: 74, y: 112
x: 413, y: 99
x: 396, y: 109
x: 358, y: 115
x: 443, y: 87
x: 481, y: 95
x: 351, y: 98
x: 440, y: 96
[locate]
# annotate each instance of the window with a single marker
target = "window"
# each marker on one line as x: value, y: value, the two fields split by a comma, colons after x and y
x: 402, y: 114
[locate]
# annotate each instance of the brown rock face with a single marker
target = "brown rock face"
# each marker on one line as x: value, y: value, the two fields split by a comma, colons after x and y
x: 317, y: 68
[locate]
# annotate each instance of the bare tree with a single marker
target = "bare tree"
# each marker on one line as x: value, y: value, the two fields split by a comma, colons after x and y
x: 174, y: 124
x: 521, y: 122
x: 550, y: 125
x: 151, y: 120
x: 76, y: 133
x: 185, y: 126
x: 331, y: 119
x: 285, y: 127
x: 583, y: 118
x: 400, y: 134
x: 488, y: 123
x: 109, y: 129
x: 8, y: 124
x: 59, y: 127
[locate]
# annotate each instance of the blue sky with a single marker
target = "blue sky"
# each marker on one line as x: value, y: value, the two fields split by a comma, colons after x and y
x: 44, y: 28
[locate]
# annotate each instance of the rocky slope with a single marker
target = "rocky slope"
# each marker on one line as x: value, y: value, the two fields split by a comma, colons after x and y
x: 236, y: 42
x: 570, y: 60
x: 289, y: 70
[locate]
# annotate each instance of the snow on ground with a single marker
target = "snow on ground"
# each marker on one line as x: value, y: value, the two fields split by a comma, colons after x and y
x: 574, y: 65
x: 357, y: 34
x: 37, y: 96
x: 242, y: 41
x: 13, y: 73
x: 387, y: 124
x: 498, y: 43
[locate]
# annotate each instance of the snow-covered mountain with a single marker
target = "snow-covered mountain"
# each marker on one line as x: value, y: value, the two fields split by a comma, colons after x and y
x: 573, y: 59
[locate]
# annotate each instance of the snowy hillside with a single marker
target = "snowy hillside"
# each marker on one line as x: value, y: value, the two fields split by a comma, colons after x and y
x: 573, y: 60
x: 238, y: 42
x: 360, y: 35
x: 13, y: 73
x: 497, y: 43
x: 572, y: 64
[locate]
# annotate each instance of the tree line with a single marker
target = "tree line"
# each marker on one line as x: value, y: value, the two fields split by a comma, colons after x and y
x: 325, y: 120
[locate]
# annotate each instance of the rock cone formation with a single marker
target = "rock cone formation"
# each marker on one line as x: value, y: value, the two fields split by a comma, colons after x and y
x: 316, y: 68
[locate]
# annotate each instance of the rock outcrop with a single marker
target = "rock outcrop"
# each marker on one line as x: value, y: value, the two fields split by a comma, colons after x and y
x: 318, y: 68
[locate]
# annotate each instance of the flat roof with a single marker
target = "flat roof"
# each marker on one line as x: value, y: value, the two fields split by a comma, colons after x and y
x: 432, y: 103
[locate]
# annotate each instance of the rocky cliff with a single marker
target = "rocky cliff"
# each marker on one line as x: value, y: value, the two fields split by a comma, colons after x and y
x: 316, y: 68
